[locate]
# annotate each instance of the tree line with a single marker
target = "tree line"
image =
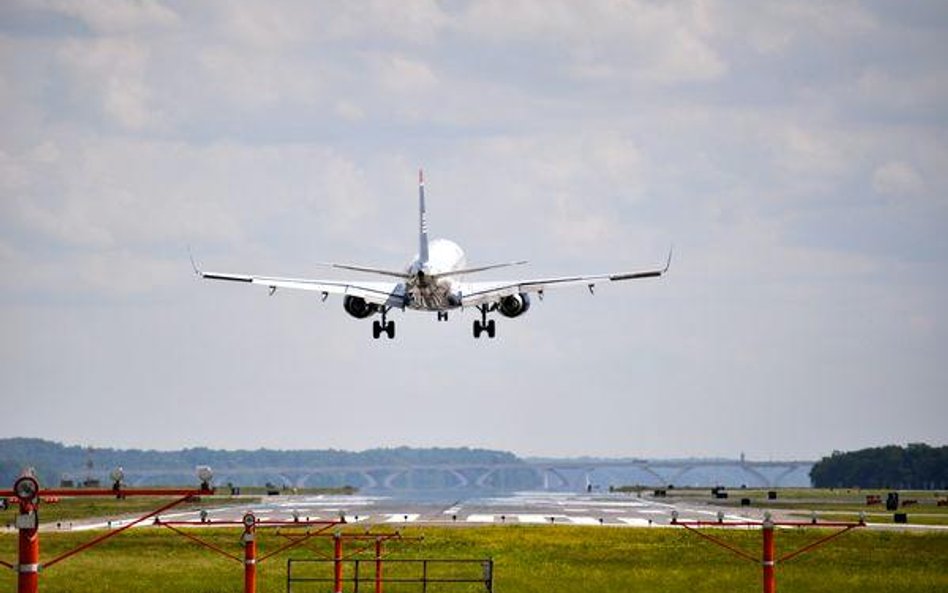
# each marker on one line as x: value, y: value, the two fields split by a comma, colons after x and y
x: 917, y: 466
x: 53, y: 461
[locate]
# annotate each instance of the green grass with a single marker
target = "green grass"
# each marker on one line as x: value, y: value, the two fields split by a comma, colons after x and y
x: 101, y: 507
x: 885, y: 518
x: 528, y: 559
x: 830, y: 504
x: 75, y: 509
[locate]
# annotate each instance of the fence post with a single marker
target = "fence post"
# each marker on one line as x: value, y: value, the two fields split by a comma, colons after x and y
x: 769, y: 561
x: 378, y: 565
x: 249, y: 540
x: 337, y: 563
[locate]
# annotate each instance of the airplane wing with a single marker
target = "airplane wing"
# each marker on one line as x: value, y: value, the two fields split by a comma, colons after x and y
x: 388, y: 294
x: 478, y: 293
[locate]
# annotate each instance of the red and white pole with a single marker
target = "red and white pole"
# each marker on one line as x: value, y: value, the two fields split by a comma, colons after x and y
x: 27, y: 492
x: 250, y: 554
x: 337, y: 563
x: 28, y: 566
x: 768, y: 561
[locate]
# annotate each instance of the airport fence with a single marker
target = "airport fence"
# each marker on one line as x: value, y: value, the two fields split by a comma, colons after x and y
x: 392, y: 575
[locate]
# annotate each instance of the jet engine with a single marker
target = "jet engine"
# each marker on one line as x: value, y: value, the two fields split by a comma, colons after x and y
x: 514, y: 305
x: 358, y: 308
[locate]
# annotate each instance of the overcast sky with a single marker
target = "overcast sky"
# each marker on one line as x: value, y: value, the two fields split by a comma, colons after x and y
x: 795, y: 154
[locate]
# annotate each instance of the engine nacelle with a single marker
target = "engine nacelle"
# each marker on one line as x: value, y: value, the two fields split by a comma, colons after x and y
x: 514, y: 305
x: 358, y: 308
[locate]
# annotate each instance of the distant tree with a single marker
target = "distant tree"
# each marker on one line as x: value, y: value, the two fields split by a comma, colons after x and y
x: 917, y: 466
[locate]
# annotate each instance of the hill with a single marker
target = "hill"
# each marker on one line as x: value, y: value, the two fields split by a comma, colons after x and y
x: 54, y: 461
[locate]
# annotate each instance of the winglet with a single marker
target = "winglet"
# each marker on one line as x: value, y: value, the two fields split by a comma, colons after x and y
x: 197, y: 270
x: 668, y: 263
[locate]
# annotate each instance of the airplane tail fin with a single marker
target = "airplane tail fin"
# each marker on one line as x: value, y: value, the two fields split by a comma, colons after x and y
x: 422, y: 220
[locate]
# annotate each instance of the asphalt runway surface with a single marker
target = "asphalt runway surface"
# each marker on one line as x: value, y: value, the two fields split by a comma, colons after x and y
x: 529, y: 508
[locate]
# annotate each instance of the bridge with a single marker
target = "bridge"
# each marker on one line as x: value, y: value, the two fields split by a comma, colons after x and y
x: 552, y: 475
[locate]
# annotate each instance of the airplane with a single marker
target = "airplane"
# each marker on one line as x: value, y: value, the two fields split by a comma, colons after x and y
x: 435, y: 280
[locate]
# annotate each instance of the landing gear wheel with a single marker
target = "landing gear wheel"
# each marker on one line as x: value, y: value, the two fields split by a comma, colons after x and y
x: 383, y: 327
x: 484, y: 325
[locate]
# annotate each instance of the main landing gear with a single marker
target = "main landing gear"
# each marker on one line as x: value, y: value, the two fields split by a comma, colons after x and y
x: 483, y: 325
x: 386, y: 327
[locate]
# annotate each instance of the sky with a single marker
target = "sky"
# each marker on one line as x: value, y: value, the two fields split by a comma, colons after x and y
x: 794, y: 153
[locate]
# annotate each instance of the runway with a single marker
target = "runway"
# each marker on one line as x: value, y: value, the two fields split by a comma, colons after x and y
x: 525, y: 508
x: 528, y: 508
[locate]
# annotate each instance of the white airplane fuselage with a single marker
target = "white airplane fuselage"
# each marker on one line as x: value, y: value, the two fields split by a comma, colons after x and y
x: 431, y: 287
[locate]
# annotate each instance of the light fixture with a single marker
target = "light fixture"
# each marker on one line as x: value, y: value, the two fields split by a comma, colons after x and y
x: 118, y: 474
x: 26, y: 488
x: 674, y: 516
x: 205, y: 474
x: 249, y: 520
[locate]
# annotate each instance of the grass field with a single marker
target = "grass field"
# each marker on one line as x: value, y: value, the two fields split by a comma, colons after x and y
x: 839, y: 504
x: 76, y: 509
x: 527, y: 559
x: 99, y: 507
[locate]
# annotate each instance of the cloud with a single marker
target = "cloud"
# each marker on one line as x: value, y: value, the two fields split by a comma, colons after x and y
x: 632, y: 41
x: 897, y: 178
x: 110, y: 76
x: 247, y: 81
x: 900, y: 91
x: 778, y: 28
x: 256, y: 24
x: 400, y: 75
x: 116, y: 16
x: 127, y: 192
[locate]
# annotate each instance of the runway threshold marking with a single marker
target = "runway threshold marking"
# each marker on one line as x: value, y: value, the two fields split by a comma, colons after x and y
x: 480, y: 519
x: 533, y: 518
x: 634, y: 521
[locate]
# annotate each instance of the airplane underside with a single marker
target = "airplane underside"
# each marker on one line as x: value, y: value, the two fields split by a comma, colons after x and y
x: 441, y: 299
x: 481, y: 326
x: 432, y: 298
